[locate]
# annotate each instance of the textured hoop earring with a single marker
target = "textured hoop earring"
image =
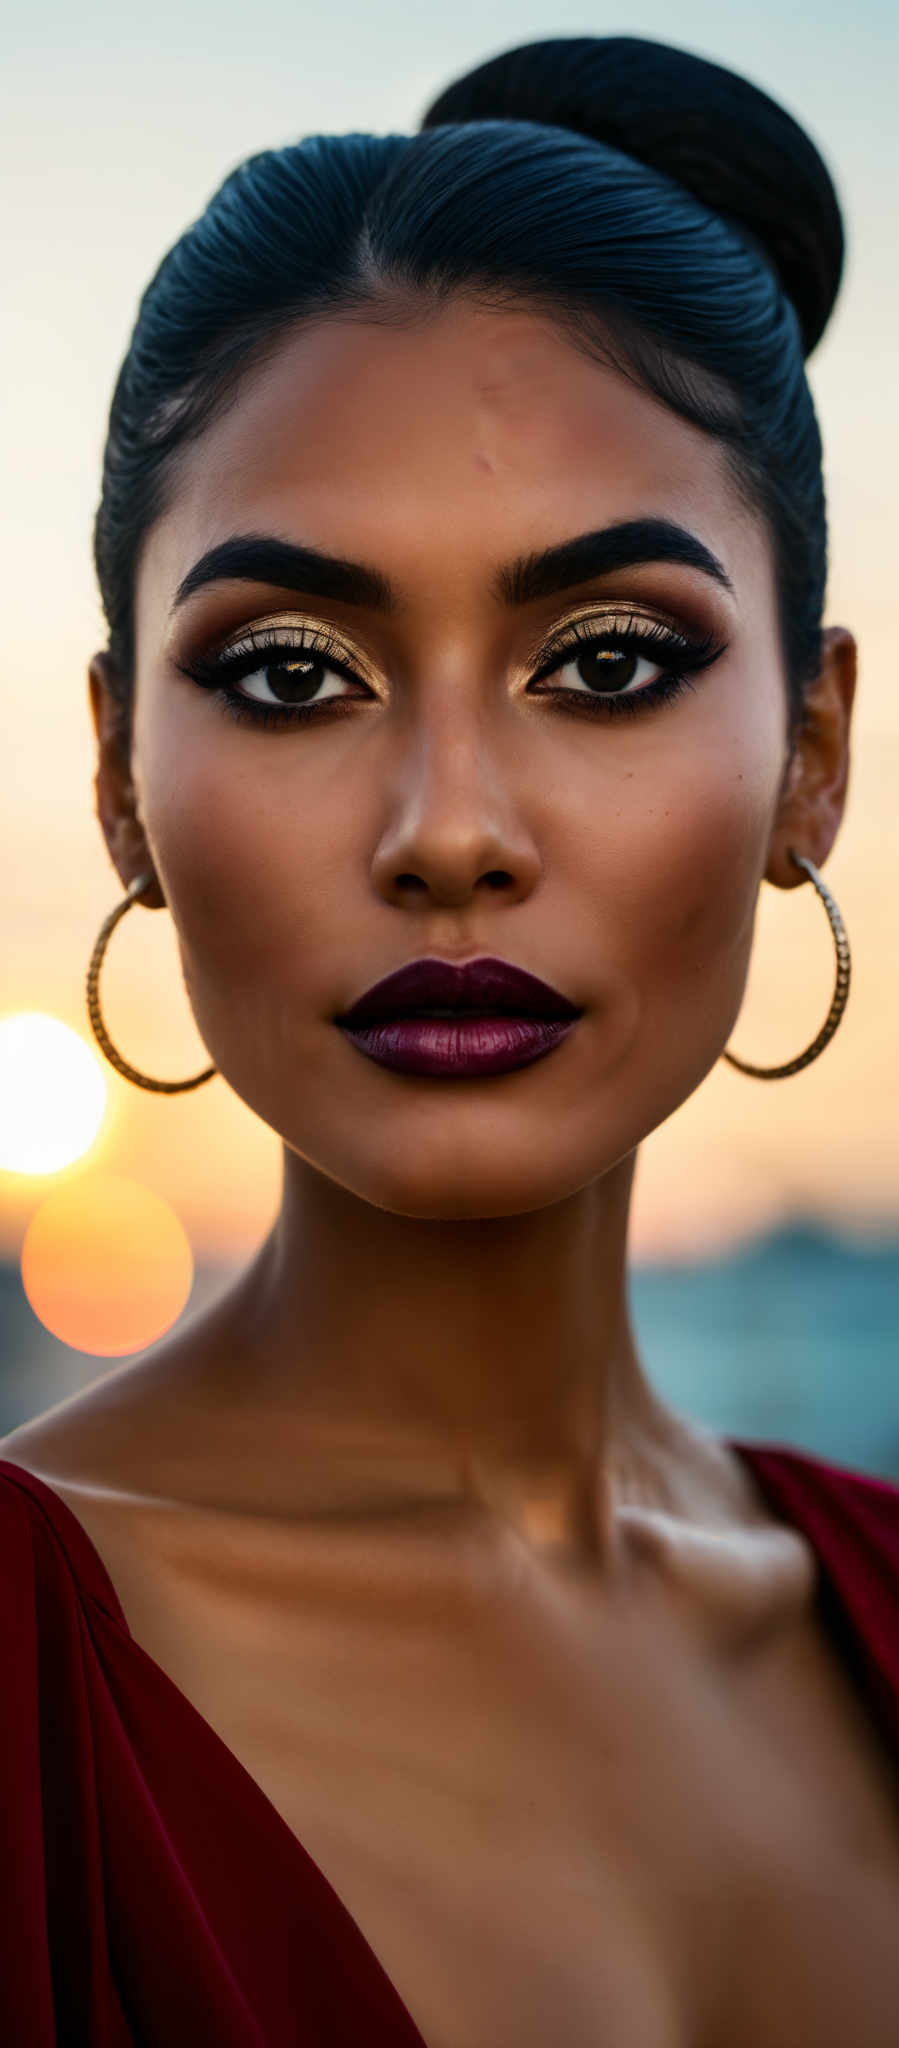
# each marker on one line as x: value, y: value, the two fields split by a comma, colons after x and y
x: 840, y: 993
x: 803, y: 1059
x: 98, y: 1027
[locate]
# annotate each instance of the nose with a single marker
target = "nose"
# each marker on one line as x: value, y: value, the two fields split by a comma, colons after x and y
x: 455, y: 811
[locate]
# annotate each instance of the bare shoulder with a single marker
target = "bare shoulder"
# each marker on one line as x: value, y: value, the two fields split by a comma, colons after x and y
x: 142, y: 1409
x: 121, y: 1455
x: 104, y: 1433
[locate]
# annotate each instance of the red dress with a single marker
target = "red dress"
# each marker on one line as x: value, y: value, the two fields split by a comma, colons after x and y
x: 155, y: 1897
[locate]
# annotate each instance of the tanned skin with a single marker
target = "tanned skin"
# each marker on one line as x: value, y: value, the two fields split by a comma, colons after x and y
x: 519, y: 1653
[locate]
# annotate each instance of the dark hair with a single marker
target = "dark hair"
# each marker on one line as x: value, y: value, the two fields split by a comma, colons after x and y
x: 670, y: 214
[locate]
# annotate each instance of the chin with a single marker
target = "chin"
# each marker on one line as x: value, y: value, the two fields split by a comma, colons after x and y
x: 493, y: 1177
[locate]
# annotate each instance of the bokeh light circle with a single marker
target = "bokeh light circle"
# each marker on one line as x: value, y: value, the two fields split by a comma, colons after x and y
x: 52, y: 1094
x: 106, y: 1264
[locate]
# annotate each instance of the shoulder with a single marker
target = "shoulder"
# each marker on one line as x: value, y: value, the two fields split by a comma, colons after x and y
x: 32, y: 1463
x: 96, y: 1436
x: 793, y: 1471
x: 50, y: 1502
x: 851, y: 1519
x: 39, y: 1597
x: 36, y: 1553
x: 123, y: 1431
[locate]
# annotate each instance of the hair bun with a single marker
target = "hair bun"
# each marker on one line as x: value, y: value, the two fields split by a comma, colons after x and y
x: 704, y: 126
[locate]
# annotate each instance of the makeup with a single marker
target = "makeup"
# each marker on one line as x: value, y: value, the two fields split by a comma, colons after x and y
x: 454, y: 1047
x: 437, y: 1017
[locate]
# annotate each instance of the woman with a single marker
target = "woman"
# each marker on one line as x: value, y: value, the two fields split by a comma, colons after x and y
x: 391, y: 1664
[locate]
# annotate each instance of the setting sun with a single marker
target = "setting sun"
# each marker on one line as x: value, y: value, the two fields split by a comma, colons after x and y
x: 52, y: 1094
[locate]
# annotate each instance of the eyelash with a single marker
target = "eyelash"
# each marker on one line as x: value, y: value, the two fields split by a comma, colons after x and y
x: 222, y: 672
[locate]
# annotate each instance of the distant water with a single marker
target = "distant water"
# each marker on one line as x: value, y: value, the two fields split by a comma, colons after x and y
x: 794, y: 1339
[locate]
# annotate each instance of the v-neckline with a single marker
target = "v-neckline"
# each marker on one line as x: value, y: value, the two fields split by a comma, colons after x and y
x: 94, y: 1578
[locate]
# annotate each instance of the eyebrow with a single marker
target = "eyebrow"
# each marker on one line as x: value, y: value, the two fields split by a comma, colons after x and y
x: 262, y: 558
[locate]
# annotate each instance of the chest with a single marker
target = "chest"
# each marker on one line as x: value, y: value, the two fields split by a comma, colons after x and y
x: 679, y: 1870
x: 553, y: 1826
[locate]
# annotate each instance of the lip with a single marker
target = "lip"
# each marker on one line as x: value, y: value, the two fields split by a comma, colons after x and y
x: 499, y: 1018
x: 459, y: 1047
x: 486, y: 987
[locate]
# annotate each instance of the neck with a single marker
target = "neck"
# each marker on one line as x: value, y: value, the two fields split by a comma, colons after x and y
x: 486, y: 1362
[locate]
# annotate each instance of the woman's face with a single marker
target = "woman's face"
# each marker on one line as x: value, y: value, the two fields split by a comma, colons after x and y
x: 454, y: 798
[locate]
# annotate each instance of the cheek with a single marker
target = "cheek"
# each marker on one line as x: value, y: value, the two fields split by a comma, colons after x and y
x: 693, y: 849
x: 237, y: 839
x: 673, y: 827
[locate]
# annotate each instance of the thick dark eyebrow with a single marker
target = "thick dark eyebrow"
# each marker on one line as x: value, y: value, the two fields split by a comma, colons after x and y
x: 261, y: 558
x: 621, y: 546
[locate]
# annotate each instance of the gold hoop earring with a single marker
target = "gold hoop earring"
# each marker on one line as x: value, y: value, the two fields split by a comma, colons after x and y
x: 803, y: 1059
x: 840, y: 993
x: 98, y: 1027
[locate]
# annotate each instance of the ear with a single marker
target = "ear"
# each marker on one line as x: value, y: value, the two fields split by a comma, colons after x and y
x: 117, y: 807
x: 813, y: 797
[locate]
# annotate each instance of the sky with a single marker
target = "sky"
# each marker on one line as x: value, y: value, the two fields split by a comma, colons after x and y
x: 116, y: 129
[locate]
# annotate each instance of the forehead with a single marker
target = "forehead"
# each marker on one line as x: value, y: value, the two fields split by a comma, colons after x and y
x: 460, y: 431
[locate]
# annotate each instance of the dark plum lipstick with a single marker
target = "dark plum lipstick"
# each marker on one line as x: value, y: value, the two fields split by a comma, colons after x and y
x: 433, y: 1017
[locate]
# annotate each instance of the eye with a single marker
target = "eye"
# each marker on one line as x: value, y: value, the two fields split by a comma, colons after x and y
x: 606, y: 670
x: 293, y: 679
x: 268, y: 676
x: 625, y: 664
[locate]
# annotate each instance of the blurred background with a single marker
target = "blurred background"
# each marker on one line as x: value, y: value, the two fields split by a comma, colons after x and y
x: 765, y: 1240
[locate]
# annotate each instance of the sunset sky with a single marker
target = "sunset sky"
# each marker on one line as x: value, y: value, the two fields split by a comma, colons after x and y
x: 118, y: 125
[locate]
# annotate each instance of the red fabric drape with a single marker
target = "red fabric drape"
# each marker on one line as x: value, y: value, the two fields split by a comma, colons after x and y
x: 154, y: 1896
